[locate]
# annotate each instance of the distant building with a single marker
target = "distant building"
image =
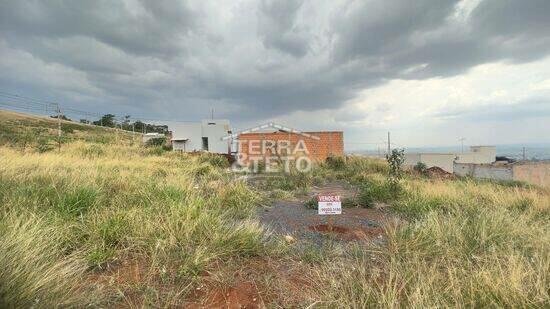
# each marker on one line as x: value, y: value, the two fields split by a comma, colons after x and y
x: 477, y: 154
x: 201, y: 136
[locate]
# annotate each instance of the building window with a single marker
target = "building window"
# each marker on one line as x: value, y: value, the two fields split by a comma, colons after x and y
x: 205, y: 143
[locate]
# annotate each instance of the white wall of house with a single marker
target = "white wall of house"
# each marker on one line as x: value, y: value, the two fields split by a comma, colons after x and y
x: 477, y: 154
x: 193, y: 133
x: 214, y: 130
x: 442, y: 160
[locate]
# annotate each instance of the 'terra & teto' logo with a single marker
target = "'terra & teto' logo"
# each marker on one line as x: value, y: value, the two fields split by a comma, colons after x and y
x: 280, y: 149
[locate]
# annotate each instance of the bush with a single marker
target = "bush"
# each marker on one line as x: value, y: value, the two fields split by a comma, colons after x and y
x: 155, y: 151
x: 216, y: 160
x: 300, y: 180
x: 349, y: 203
x: 336, y: 163
x: 372, y: 192
x: 44, y: 145
x: 157, y: 141
x: 421, y: 167
x: 311, y: 203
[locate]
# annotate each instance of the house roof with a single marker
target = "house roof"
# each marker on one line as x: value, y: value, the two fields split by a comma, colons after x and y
x: 267, y: 126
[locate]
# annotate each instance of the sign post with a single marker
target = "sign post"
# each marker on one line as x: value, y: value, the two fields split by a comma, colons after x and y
x: 329, y: 205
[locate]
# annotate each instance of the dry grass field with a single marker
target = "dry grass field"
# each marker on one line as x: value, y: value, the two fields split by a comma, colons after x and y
x: 107, y: 222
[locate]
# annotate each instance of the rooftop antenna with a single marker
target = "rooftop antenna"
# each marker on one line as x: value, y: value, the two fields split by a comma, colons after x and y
x: 462, y: 139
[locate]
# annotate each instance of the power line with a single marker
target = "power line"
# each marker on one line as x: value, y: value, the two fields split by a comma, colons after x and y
x: 18, y: 107
x: 19, y: 97
x: 48, y: 105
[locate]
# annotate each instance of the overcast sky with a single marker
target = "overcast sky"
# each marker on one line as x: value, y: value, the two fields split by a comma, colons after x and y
x: 430, y: 71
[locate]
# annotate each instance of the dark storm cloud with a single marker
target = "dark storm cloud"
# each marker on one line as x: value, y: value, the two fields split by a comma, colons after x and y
x: 277, y: 27
x: 384, y: 28
x: 422, y: 33
x: 256, y: 60
x: 149, y: 27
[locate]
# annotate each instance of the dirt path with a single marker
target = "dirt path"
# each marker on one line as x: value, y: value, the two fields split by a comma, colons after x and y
x: 291, y: 217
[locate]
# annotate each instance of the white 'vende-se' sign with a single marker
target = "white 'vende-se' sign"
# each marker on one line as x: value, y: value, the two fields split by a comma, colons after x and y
x: 329, y: 205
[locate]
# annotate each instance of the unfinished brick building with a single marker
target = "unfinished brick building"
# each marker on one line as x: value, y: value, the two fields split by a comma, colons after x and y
x: 286, y: 141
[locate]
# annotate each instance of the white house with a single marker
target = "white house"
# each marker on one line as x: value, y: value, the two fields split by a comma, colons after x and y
x: 477, y: 154
x: 201, y: 136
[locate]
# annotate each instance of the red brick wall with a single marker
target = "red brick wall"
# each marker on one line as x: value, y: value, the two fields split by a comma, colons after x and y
x: 330, y: 143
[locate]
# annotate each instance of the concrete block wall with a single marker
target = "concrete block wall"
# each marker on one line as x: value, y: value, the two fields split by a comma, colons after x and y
x: 488, y: 171
x: 537, y: 173
x: 330, y: 143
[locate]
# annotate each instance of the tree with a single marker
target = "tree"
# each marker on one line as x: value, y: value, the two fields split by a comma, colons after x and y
x: 126, y: 123
x: 395, y: 160
x: 139, y: 126
x: 107, y: 120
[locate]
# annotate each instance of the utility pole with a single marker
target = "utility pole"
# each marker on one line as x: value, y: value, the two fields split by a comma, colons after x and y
x: 389, y: 143
x: 58, y: 128
x: 212, y: 116
x: 523, y: 153
x: 462, y: 142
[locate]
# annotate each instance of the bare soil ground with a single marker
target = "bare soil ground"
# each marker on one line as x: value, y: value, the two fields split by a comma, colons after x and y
x: 291, y: 217
x: 259, y: 283
x: 438, y: 173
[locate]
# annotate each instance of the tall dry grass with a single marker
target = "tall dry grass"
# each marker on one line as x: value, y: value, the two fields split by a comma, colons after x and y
x: 35, y: 272
x: 111, y: 203
x: 67, y: 216
x: 460, y: 243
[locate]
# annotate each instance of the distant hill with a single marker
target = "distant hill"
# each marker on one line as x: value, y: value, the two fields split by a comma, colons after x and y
x: 26, y: 130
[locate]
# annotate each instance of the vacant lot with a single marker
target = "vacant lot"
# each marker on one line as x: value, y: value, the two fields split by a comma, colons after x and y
x: 107, y: 223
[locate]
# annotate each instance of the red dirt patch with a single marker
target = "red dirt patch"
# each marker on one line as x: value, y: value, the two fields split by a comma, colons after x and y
x: 438, y: 172
x: 328, y: 228
x: 242, y: 295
